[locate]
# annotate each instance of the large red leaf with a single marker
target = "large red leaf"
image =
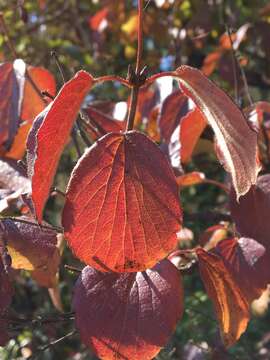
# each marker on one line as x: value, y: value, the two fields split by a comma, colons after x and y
x: 128, y: 316
x: 231, y: 307
x: 235, y: 138
x: 46, y: 142
x: 122, y: 209
x: 11, y: 87
x: 248, y: 262
x: 251, y: 213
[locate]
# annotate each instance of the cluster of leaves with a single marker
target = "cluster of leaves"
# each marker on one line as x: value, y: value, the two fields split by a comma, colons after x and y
x: 122, y: 215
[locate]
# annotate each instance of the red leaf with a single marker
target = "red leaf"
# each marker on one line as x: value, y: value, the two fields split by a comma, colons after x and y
x: 236, y: 139
x: 192, y: 178
x: 251, y: 213
x: 122, y: 211
x: 248, y: 263
x: 45, y: 144
x: 231, y: 307
x: 104, y: 123
x: 191, y: 128
x: 128, y: 316
x: 173, y: 109
x: 11, y: 87
x: 96, y: 20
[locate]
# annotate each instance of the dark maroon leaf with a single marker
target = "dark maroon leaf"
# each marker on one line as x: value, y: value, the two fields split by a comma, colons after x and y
x: 251, y: 213
x: 248, y: 262
x: 128, y: 316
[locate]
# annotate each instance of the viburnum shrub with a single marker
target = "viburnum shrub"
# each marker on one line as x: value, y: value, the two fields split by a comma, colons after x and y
x: 122, y: 215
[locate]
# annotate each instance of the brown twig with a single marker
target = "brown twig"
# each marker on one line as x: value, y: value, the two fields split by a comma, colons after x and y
x: 8, y: 39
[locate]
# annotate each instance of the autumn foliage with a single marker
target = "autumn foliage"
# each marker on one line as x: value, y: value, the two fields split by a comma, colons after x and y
x: 122, y: 215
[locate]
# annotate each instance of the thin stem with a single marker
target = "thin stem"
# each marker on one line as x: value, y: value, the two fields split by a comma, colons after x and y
x: 72, y: 269
x: 140, y: 37
x: 106, y: 78
x: 217, y: 183
x: 59, y: 66
x: 154, y: 77
x: 234, y: 63
x: 133, y: 106
x: 137, y: 78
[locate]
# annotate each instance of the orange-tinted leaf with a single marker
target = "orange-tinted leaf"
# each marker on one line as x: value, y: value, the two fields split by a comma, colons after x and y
x: 251, y: 213
x: 152, y: 124
x: 11, y: 87
x: 248, y: 263
x: 99, y: 20
x: 32, y: 103
x: 235, y: 138
x: 190, y: 179
x: 47, y: 275
x: 213, y: 235
x: 210, y: 62
x: 46, y: 142
x: 173, y: 109
x: 128, y: 316
x: 231, y: 307
x: 122, y: 211
x: 191, y: 128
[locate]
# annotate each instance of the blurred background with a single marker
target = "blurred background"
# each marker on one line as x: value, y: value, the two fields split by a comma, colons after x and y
x: 230, y: 41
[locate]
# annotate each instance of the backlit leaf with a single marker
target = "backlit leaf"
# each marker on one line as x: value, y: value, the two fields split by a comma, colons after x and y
x: 231, y: 307
x: 191, y: 128
x: 248, y: 263
x: 122, y: 211
x: 192, y: 178
x: 45, y: 144
x: 235, y: 138
x: 128, y: 316
x: 173, y: 109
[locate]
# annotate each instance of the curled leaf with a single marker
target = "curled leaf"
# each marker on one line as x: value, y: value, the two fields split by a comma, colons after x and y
x: 122, y: 211
x: 128, y: 316
x: 235, y: 138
